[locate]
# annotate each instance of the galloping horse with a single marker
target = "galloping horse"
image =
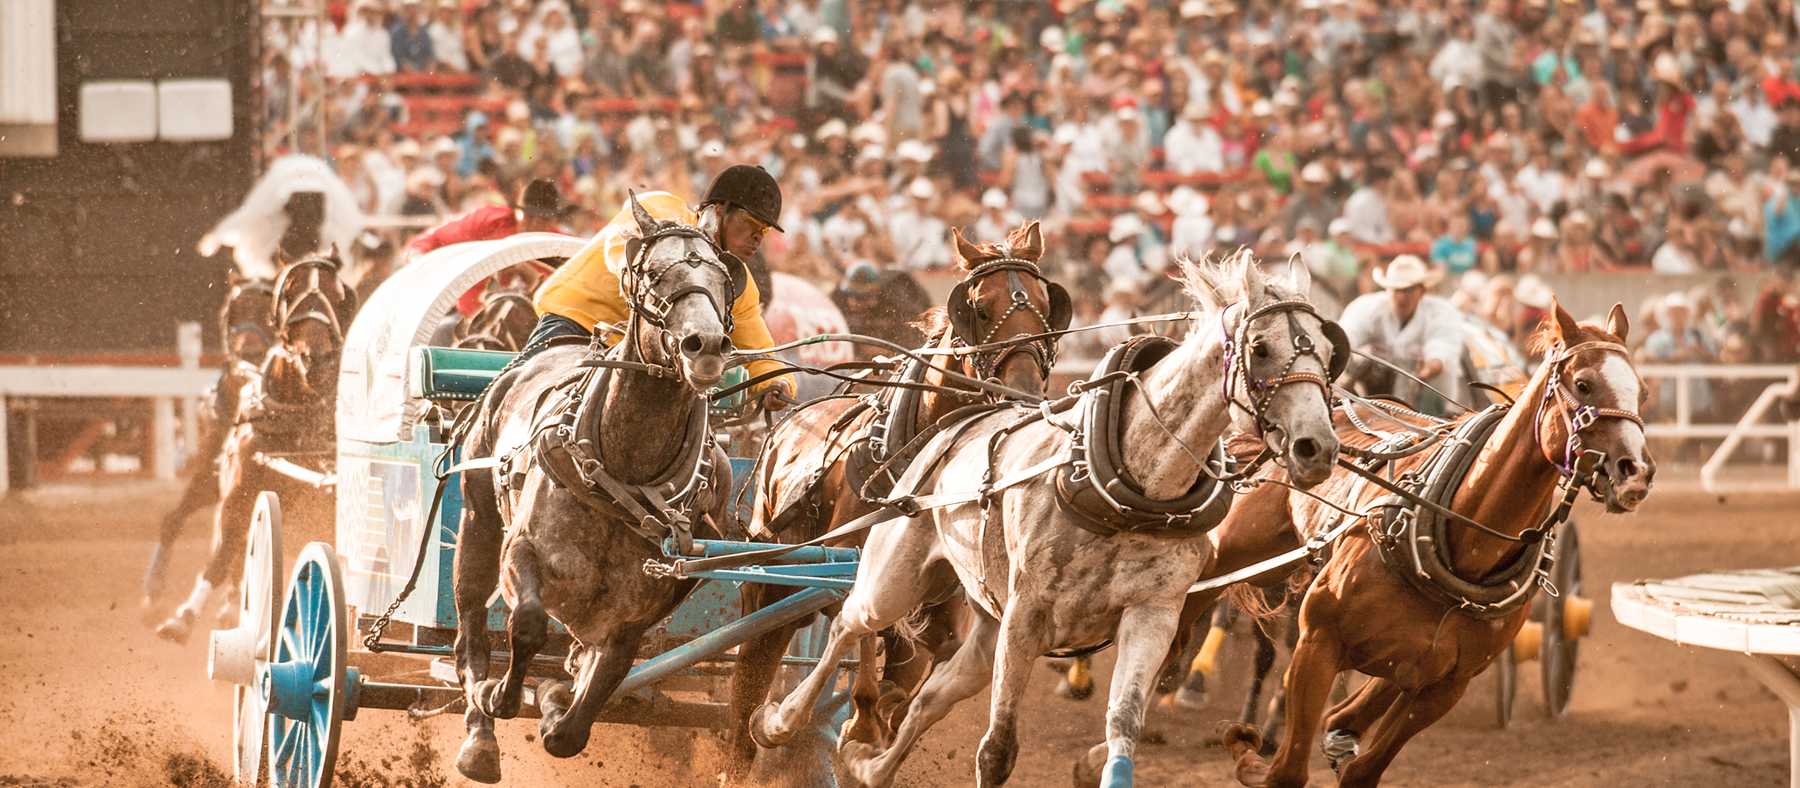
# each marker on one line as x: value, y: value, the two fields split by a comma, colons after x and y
x: 287, y: 408
x: 1072, y: 529
x: 503, y: 322
x: 600, y: 459
x: 1448, y: 600
x: 247, y: 330
x: 820, y: 468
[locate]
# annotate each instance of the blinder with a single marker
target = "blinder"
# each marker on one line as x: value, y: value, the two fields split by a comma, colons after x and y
x: 1340, y: 349
x: 653, y: 307
x: 962, y: 314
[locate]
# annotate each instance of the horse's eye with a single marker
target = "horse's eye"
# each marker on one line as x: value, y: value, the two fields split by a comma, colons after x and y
x: 1259, y: 349
x: 981, y: 310
x: 1582, y: 388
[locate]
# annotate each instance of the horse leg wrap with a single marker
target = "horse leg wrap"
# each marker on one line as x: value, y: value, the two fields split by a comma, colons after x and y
x: 1117, y: 773
x: 1340, y: 747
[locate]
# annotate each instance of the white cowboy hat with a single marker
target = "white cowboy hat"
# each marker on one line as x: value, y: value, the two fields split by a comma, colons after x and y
x: 1121, y: 288
x: 1053, y: 39
x: 921, y: 188
x: 1181, y: 201
x: 914, y: 150
x: 1404, y: 272
x: 1125, y: 226
x: 1315, y: 173
x: 445, y: 145
x: 1148, y: 203
x: 1596, y: 169
x: 831, y: 128
x: 1532, y: 292
x: 1543, y: 228
x: 1472, y: 282
x: 824, y: 35
x: 870, y: 152
x: 993, y: 198
x: 712, y: 149
x: 869, y: 133
x: 1338, y: 226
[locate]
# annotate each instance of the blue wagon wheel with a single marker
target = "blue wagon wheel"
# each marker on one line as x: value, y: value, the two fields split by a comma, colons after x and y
x: 236, y: 655
x: 305, y: 685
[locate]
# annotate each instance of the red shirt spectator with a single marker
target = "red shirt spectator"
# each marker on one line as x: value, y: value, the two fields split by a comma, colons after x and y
x: 541, y: 210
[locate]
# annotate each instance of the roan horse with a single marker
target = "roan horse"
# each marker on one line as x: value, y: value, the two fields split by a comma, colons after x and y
x: 247, y: 329
x: 1045, y: 563
x: 821, y: 467
x: 600, y: 458
x: 1441, y: 627
x: 287, y: 409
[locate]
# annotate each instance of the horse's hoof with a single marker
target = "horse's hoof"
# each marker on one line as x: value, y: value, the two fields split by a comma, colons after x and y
x: 1088, y: 767
x: 490, y: 697
x: 760, y: 721
x: 1340, y: 748
x: 177, y: 628
x: 1243, y: 743
x: 1189, y: 698
x: 562, y: 740
x: 479, y: 758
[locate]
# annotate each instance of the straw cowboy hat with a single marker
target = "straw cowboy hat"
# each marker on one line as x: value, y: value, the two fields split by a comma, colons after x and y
x: 1404, y: 272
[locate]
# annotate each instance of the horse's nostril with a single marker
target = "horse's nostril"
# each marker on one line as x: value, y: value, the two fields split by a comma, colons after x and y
x: 1627, y: 468
x: 1306, y: 448
x: 691, y: 345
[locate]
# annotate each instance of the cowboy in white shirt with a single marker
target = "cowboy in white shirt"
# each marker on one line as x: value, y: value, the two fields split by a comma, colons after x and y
x: 1414, y: 330
x: 995, y: 219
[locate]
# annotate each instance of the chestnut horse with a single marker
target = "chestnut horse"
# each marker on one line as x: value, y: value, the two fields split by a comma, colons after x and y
x: 807, y: 476
x: 1583, y: 399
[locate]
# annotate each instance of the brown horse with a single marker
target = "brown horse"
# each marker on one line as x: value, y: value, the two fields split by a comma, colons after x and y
x: 1583, y: 399
x: 247, y: 330
x: 286, y: 414
x: 813, y: 472
x: 503, y: 322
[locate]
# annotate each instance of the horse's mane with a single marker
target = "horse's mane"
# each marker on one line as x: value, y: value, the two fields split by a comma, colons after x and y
x: 1544, y: 337
x: 934, y: 323
x: 1213, y: 281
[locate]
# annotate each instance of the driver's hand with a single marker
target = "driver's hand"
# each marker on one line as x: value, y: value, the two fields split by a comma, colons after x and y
x: 776, y: 399
x: 1430, y: 368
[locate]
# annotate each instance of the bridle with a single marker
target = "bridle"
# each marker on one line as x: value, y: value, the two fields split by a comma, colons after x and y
x: 313, y: 302
x: 991, y: 355
x: 1577, y: 416
x: 1262, y: 390
x: 652, y: 308
x: 484, y: 329
x: 238, y: 317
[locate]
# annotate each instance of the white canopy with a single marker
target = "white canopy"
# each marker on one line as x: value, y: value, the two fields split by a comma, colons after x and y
x: 404, y: 313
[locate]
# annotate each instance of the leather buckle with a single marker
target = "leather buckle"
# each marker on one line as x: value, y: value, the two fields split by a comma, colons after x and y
x: 1583, y: 418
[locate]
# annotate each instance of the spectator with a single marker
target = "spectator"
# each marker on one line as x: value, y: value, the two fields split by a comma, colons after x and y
x: 919, y: 235
x: 366, y: 46
x: 446, y: 31
x: 1193, y: 145
x: 1455, y: 250
x: 410, y: 40
x: 1309, y: 201
x: 1677, y: 341
x: 551, y: 30
x: 1367, y: 210
x: 1027, y: 173
x: 996, y: 220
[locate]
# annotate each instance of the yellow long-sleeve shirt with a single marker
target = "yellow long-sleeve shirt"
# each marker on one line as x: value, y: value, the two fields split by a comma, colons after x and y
x: 586, y: 288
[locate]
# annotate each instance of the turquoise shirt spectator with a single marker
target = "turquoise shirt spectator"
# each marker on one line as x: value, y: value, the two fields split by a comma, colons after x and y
x: 1781, y: 226
x: 1456, y: 254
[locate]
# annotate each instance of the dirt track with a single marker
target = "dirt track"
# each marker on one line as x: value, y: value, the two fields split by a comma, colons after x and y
x: 91, y: 698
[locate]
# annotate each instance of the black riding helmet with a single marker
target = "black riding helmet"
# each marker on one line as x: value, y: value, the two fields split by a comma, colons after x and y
x: 749, y: 187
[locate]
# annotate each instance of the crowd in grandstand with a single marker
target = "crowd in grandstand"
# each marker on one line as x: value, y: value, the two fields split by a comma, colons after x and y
x: 1500, y: 141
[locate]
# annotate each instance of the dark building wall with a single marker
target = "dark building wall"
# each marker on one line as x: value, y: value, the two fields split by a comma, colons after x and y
x: 97, y: 243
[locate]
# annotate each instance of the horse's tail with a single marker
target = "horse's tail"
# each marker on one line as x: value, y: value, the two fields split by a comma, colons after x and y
x: 1267, y: 606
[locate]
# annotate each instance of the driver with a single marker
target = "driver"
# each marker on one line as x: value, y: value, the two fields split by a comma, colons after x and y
x: 584, y: 292
x: 1415, y: 330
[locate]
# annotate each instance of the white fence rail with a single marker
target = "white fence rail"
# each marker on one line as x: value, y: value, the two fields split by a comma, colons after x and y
x: 1784, y: 382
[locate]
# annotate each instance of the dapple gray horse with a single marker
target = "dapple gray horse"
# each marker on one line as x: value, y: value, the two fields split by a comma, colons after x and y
x: 572, y: 552
x: 1039, y: 579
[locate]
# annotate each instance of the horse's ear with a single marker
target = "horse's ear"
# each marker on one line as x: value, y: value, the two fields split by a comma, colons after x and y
x: 646, y: 223
x: 1617, y: 324
x: 1299, y: 276
x: 712, y: 218
x: 1567, y: 330
x: 1032, y: 245
x: 965, y: 251
x: 1252, y: 275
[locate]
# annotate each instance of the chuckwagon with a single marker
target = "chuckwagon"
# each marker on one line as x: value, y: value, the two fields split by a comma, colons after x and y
x: 313, y: 645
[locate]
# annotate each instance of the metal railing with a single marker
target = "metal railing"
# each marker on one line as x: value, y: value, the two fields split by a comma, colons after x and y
x: 1784, y: 383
